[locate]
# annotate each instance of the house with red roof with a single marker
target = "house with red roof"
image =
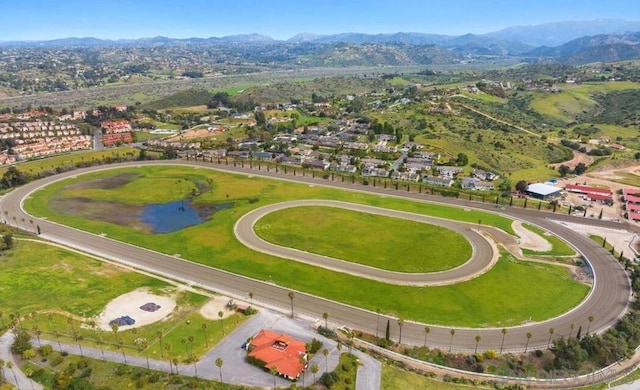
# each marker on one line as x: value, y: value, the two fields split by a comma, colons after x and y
x: 286, y: 354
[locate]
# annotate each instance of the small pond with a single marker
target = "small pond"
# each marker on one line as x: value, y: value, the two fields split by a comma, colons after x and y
x: 172, y: 216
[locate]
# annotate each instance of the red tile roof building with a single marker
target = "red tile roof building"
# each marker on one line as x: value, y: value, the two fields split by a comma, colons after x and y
x: 280, y: 351
x: 587, y: 190
x: 113, y: 127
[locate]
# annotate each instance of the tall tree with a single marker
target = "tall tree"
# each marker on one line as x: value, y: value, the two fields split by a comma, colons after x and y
x: 426, y: 333
x: 325, y: 315
x: 221, y: 314
x: 204, y: 331
x: 504, y: 333
x: 529, y: 336
x: 291, y: 296
x: 400, y: 324
x: 552, y: 330
x: 314, y: 371
x: 325, y: 352
x: 453, y: 333
x: 219, y: 363
x: 477, y: 338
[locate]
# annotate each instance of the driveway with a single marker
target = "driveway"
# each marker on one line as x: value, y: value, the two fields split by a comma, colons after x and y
x: 235, y: 368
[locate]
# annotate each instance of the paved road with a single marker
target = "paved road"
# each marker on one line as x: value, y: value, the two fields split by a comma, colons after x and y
x: 483, y: 254
x: 14, y: 375
x: 606, y: 302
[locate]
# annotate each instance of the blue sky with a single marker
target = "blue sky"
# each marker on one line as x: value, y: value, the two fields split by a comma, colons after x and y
x: 281, y: 19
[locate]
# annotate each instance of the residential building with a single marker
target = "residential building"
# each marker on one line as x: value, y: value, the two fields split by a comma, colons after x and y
x: 280, y: 351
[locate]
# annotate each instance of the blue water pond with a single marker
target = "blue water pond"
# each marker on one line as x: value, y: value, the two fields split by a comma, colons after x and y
x: 173, y: 216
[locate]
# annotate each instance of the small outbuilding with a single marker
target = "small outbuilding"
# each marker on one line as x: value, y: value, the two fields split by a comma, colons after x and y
x: 543, y: 191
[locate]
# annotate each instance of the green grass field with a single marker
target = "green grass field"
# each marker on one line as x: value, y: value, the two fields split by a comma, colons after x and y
x: 49, y: 287
x: 559, y: 247
x: 50, y: 163
x: 377, y: 241
x: 396, y: 378
x: 575, y: 99
x: 483, y: 301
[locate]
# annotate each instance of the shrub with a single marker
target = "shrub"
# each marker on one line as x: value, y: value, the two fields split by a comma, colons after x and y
x: 45, y: 350
x: 314, y: 345
x: 154, y: 378
x: 490, y: 354
x: 21, y: 343
x: 56, y: 360
x: 329, y: 379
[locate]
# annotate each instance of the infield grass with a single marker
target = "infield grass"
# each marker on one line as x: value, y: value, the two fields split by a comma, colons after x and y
x: 483, y: 301
x: 559, y: 247
x: 374, y: 240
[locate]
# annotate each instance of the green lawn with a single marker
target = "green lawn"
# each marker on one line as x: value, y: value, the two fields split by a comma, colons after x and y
x: 374, y: 240
x: 49, y: 287
x: 397, y: 378
x: 559, y: 247
x: 50, y: 163
x: 486, y: 300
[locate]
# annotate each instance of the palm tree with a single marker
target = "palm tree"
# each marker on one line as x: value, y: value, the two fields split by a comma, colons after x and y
x: 124, y: 357
x: 314, y: 371
x: 453, y: 333
x: 1, y: 370
x: 325, y: 352
x: 219, y: 363
x: 159, y: 333
x: 400, y: 323
x: 221, y: 314
x: 38, y: 332
x: 504, y: 333
x: 175, y: 363
x: 190, y: 338
x: 1, y: 320
x: 551, y: 332
x: 204, y: 330
x: 529, y: 336
x: 302, y: 361
x: 144, y: 344
x: 478, y: 338
x: 115, y: 328
x: 590, y: 318
x: 251, y: 298
x: 325, y: 315
x: 100, y: 343
x: 291, y: 296
x: 377, y: 321
x: 10, y: 365
x: 426, y: 333
x: 274, y: 371
x: 168, y: 347
x: 572, y: 326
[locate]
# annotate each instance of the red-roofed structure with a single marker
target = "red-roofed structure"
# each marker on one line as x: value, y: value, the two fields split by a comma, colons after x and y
x: 587, y: 190
x: 280, y: 351
x: 632, y: 199
x: 634, y: 216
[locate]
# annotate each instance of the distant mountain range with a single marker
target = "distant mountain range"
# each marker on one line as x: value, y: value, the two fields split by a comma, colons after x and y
x: 566, y: 42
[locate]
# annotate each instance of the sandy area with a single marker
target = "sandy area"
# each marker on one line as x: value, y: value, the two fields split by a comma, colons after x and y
x: 530, y: 240
x: 129, y: 305
x: 577, y: 159
x: 619, y: 238
x: 215, y: 305
x: 192, y: 134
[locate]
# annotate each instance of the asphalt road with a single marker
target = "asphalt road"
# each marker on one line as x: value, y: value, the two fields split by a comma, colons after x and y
x: 606, y: 302
x: 483, y: 254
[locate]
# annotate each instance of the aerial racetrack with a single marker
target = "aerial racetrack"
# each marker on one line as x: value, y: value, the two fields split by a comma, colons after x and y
x: 507, y: 294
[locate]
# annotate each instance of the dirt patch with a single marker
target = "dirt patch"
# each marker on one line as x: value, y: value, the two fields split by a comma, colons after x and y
x: 530, y: 240
x: 192, y: 134
x: 577, y: 159
x: 110, y: 182
x: 129, y: 305
x: 112, y: 212
x: 213, y: 307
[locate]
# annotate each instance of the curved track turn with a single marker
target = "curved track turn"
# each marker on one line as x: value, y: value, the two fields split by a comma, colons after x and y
x: 606, y: 303
x: 483, y: 255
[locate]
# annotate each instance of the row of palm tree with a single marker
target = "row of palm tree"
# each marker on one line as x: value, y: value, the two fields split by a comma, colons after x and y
x: 477, y: 338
